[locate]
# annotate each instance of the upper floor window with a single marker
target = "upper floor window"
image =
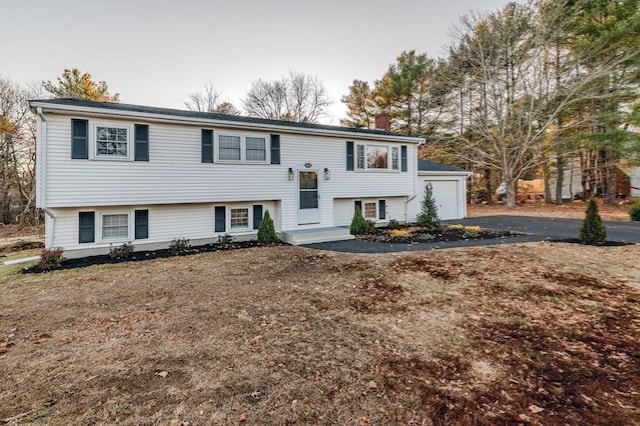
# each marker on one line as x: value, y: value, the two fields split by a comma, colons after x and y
x: 377, y: 157
x: 112, y: 141
x: 242, y: 149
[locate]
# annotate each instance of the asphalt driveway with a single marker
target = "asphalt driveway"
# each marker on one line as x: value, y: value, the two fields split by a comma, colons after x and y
x: 536, y: 229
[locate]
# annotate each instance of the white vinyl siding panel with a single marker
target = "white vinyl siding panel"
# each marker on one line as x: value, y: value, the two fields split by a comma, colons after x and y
x: 344, y: 209
x: 176, y: 175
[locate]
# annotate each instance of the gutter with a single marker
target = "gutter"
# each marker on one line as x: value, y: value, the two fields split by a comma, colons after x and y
x: 41, y: 158
x: 415, y: 184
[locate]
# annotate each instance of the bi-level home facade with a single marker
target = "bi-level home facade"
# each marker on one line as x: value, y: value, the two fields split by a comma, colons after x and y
x: 110, y: 173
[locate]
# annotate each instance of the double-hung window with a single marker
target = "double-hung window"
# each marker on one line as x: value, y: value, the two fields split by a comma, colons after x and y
x: 115, y: 226
x: 370, y: 211
x: 112, y: 141
x: 241, y: 149
x: 239, y: 218
x: 230, y: 149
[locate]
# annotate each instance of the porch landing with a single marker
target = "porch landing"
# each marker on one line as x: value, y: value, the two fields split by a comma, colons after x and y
x: 316, y: 235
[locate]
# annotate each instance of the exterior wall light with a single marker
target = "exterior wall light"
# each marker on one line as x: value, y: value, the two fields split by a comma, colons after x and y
x: 290, y: 173
x: 327, y: 174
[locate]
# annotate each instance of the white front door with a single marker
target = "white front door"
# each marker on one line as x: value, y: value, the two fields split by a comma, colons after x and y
x: 308, y: 206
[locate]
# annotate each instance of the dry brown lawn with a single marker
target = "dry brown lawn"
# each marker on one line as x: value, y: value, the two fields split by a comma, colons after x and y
x: 571, y: 210
x: 541, y: 334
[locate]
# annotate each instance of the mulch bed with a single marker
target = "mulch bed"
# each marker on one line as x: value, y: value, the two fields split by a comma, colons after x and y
x: 146, y: 255
x: 420, y: 235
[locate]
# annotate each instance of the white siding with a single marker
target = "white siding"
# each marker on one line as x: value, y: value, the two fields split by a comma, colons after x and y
x: 343, y: 209
x: 175, y: 173
x: 166, y: 222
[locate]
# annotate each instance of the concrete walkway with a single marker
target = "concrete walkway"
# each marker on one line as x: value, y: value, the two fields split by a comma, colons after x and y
x: 537, y: 228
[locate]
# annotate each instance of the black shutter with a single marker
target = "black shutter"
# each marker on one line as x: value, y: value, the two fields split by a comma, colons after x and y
x: 350, y: 160
x: 403, y: 158
x: 358, y: 205
x: 142, y: 224
x: 382, y: 207
x: 79, y: 139
x: 87, y: 225
x: 142, y: 142
x: 257, y: 216
x: 221, y: 219
x: 207, y: 146
x: 275, y: 149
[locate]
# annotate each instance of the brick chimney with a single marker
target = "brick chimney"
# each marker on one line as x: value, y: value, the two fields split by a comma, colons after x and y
x: 382, y: 122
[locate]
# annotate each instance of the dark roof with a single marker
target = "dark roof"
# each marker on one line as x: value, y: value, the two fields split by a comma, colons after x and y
x: 431, y: 166
x: 205, y: 115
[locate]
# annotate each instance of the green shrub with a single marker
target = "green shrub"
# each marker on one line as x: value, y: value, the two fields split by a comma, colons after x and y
x: 428, y: 217
x: 121, y: 252
x: 225, y: 241
x: 634, y: 211
x: 266, y: 230
x: 359, y: 226
x: 50, y: 259
x: 179, y: 246
x: 592, y: 230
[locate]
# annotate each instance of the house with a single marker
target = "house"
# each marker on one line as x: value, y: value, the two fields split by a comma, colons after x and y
x: 110, y: 173
x: 449, y: 188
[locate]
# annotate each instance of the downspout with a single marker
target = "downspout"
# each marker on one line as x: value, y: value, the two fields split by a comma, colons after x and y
x: 40, y: 160
x: 415, y: 181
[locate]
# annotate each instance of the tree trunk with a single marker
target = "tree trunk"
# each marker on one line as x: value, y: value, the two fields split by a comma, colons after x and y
x: 559, y: 178
x: 611, y: 178
x: 546, y: 177
x: 512, y: 187
x: 487, y: 185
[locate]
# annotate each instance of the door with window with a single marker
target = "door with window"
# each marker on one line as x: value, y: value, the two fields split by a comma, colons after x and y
x: 308, y: 206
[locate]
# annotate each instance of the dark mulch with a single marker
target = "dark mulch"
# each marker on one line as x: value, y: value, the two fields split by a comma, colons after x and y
x: 146, y: 255
x: 417, y: 235
x: 602, y: 244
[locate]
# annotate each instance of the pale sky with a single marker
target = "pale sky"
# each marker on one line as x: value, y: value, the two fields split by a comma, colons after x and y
x: 156, y: 52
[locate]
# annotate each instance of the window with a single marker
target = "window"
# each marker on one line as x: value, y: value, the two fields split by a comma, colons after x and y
x: 240, y: 218
x: 256, y: 149
x: 243, y: 149
x: 115, y: 226
x: 229, y: 148
x: 112, y: 141
x: 370, y: 211
x: 377, y: 157
x: 395, y: 163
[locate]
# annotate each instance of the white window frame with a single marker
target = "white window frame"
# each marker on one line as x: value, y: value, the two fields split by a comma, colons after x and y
x: 94, y: 141
x: 243, y: 148
x: 388, y: 169
x: 129, y: 214
x: 375, y: 210
x: 249, y: 218
x: 375, y: 201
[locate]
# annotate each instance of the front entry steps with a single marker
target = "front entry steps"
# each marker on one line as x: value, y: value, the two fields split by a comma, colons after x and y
x: 316, y: 235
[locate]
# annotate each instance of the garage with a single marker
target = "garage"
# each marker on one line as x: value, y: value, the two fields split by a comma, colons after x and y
x: 449, y: 187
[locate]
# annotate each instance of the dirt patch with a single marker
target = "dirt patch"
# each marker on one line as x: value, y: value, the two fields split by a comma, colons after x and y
x: 572, y: 210
x: 541, y: 333
x: 20, y: 245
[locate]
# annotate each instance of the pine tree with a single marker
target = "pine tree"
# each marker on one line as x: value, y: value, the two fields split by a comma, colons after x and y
x: 592, y: 231
x: 266, y: 230
x: 76, y: 84
x: 359, y: 225
x: 428, y: 217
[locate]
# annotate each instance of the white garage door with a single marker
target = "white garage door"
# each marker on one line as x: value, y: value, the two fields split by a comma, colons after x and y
x: 446, y: 195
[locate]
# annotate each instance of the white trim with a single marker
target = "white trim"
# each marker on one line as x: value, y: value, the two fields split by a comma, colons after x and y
x: 388, y: 169
x: 128, y: 238
x: 249, y: 218
x: 102, y: 112
x: 243, y: 148
x: 93, y: 141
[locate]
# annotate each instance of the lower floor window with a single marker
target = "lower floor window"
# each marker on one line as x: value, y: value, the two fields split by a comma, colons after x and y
x: 115, y: 225
x: 369, y: 210
x: 239, y: 218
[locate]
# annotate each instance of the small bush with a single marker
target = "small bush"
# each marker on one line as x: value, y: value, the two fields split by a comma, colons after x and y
x: 456, y: 226
x: 592, y: 230
x: 266, y: 230
x: 121, y: 252
x: 634, y: 211
x: 359, y: 226
x: 399, y: 233
x: 179, y: 246
x: 50, y: 259
x: 394, y: 224
x: 473, y: 228
x: 428, y: 217
x: 372, y: 226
